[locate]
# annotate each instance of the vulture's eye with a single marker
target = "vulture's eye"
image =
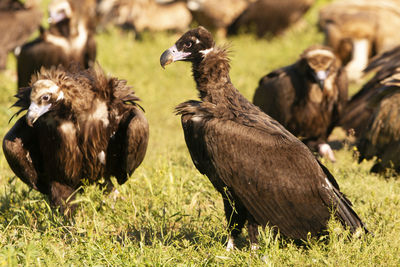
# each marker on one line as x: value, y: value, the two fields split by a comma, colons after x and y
x: 46, y: 98
x: 187, y: 44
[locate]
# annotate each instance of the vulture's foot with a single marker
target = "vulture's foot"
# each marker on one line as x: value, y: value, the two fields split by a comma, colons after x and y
x: 231, y: 244
x: 61, y: 196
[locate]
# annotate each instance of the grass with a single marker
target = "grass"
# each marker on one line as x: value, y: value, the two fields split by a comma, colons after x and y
x: 168, y: 213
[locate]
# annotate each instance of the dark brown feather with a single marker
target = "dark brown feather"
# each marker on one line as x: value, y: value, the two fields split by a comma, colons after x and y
x: 291, y: 96
x: 381, y: 137
x: 63, y: 43
x: 358, y: 111
x: 93, y: 130
x: 254, y: 162
x: 17, y: 24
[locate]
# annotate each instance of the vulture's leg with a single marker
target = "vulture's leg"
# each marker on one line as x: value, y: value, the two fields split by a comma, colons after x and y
x: 18, y: 149
x: 60, y: 196
x: 359, y: 60
x: 252, y: 228
x: 323, y: 149
x: 326, y: 151
x: 236, y: 218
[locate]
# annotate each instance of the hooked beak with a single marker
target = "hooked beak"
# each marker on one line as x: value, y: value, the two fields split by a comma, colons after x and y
x: 320, y: 77
x: 35, y: 111
x: 171, y: 55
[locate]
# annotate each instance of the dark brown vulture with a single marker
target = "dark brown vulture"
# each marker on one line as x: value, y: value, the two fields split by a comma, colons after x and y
x: 358, y: 112
x: 80, y: 125
x: 360, y: 29
x: 270, y: 17
x: 264, y: 174
x: 307, y: 98
x: 17, y: 24
x: 70, y: 38
x: 382, y: 136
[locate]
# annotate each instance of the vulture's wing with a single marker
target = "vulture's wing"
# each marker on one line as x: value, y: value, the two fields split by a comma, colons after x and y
x: 137, y: 139
x: 275, y: 175
x: 130, y: 141
x: 276, y: 93
x: 383, y: 136
x: 22, y: 152
x: 341, y: 83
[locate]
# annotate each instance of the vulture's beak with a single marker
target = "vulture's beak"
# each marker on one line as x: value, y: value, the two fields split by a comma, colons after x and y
x: 171, y: 55
x: 35, y: 111
x: 320, y: 77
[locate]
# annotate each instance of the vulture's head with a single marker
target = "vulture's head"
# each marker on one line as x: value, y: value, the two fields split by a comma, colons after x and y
x: 192, y: 46
x: 59, y: 10
x: 45, y: 95
x: 320, y: 63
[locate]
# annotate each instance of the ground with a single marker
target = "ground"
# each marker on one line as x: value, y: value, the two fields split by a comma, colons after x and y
x: 168, y: 213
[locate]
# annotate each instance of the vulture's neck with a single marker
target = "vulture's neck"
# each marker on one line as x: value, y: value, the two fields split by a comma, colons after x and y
x: 212, y: 77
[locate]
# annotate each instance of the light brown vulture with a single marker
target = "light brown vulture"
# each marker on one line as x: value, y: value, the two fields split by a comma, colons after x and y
x: 382, y: 136
x: 217, y: 15
x: 307, y: 97
x: 17, y: 23
x: 80, y: 125
x: 70, y: 38
x: 270, y: 17
x: 360, y: 29
x: 264, y: 174
x: 358, y: 111
x: 141, y: 15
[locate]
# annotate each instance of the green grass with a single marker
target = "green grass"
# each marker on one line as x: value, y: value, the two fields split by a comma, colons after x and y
x: 167, y: 213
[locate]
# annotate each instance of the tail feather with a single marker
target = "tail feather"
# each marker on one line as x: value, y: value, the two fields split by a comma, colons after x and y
x: 346, y: 214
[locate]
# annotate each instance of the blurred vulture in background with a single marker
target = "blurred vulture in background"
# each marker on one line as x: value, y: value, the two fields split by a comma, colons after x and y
x: 80, y: 126
x: 270, y: 17
x: 70, y: 38
x: 360, y: 29
x: 266, y: 176
x: 141, y: 15
x: 307, y: 98
x: 217, y: 15
x: 358, y: 112
x: 382, y: 136
x: 18, y: 21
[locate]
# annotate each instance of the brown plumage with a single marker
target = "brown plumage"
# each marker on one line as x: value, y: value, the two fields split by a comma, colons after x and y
x: 270, y: 17
x: 17, y: 24
x: 264, y: 174
x: 307, y: 97
x: 80, y: 125
x: 217, y: 15
x: 357, y: 114
x: 382, y: 136
x: 70, y: 38
x: 360, y: 29
x: 141, y: 15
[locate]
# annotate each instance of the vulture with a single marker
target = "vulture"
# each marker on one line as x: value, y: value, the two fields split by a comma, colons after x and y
x: 381, y: 138
x: 141, y: 15
x: 270, y: 17
x: 358, y: 112
x: 80, y: 126
x: 70, y: 38
x: 17, y: 24
x: 217, y: 15
x: 360, y: 29
x: 264, y: 174
x: 307, y: 97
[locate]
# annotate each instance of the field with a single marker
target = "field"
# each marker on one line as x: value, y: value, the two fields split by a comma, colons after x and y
x: 168, y: 213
